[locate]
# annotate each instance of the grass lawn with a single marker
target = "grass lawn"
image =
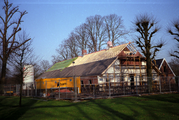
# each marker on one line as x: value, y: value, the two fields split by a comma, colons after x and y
x: 158, y: 107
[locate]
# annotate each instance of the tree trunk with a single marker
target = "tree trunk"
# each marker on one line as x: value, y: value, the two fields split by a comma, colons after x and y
x: 21, y: 82
x: 3, y: 76
x: 20, y: 95
x: 149, y: 75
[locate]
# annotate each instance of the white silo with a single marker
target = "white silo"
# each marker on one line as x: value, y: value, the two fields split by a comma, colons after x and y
x: 28, y: 76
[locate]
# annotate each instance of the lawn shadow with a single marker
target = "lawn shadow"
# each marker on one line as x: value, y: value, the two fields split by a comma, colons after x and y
x: 111, y: 112
x: 76, y: 105
x: 83, y: 112
x: 14, y: 112
x: 135, y: 108
x: 3, y: 98
x: 164, y: 97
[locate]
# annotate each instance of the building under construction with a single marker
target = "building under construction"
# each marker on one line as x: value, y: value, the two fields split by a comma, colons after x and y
x: 118, y: 66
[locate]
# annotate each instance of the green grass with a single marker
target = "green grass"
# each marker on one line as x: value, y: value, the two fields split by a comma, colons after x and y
x: 158, y: 107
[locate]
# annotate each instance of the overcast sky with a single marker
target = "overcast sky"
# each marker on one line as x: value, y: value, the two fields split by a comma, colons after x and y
x: 49, y: 22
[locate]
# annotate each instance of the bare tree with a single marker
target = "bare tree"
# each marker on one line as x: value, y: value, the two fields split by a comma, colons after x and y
x: 37, y: 69
x: 55, y: 58
x: 71, y: 45
x: 114, y: 28
x: 21, y: 57
x: 7, y: 37
x: 174, y: 64
x: 67, y: 49
x: 45, y: 65
x: 92, y: 36
x: 146, y: 26
x: 63, y: 53
x: 174, y: 31
x: 82, y: 37
x: 0, y: 67
x: 96, y: 31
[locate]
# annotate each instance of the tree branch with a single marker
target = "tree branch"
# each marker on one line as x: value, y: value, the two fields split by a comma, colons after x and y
x: 158, y: 46
x: 154, y: 53
x: 2, y: 19
x: 11, y: 24
x: 12, y: 49
x: 151, y: 34
x: 12, y: 12
x: 1, y: 32
x: 174, y: 55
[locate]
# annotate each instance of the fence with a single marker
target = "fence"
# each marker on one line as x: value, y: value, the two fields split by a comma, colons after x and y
x: 91, y: 88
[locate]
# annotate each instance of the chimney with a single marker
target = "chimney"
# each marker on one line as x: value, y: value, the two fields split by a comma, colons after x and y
x: 84, y: 52
x: 109, y: 43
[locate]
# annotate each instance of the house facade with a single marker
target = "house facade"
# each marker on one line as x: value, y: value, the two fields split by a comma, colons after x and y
x: 119, y: 64
x: 166, y: 71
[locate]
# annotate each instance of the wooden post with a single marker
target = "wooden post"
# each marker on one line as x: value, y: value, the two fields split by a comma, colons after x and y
x: 178, y: 82
x: 40, y: 86
x: 114, y: 75
x: 120, y: 71
x: 93, y: 89
x: 140, y: 70
x: 109, y: 88
x: 169, y: 84
x: 136, y: 86
x: 36, y: 88
x: 66, y: 88
x: 123, y: 85
x: 46, y: 88
x: 160, y: 84
x: 59, y: 90
x: 134, y: 66
x: 10, y: 89
x: 75, y: 90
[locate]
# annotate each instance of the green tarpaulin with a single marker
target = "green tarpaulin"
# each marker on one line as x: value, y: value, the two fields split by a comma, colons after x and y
x: 62, y: 64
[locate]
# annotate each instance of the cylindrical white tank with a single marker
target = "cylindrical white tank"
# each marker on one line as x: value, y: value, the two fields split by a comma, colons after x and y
x: 28, y: 77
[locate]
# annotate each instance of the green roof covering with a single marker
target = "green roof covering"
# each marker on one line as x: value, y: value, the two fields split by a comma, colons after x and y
x: 62, y: 65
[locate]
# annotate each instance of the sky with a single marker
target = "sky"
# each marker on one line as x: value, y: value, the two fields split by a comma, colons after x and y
x: 49, y: 22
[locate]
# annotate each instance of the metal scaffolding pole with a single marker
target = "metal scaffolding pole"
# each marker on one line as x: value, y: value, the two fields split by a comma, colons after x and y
x: 46, y: 88
x: 136, y: 86
x: 109, y: 88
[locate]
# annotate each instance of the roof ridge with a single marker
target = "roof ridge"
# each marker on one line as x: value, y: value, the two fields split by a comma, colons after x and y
x: 105, y: 49
x: 67, y: 59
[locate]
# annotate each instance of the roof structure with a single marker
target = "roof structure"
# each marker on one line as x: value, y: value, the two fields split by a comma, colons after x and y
x: 88, y: 65
x: 159, y: 63
x: 100, y: 55
x: 88, y: 69
x: 61, y: 65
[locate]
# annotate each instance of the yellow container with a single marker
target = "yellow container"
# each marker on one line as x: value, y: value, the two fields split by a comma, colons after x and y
x: 52, y: 83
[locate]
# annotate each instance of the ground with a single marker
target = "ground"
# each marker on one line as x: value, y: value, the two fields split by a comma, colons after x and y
x: 164, y: 106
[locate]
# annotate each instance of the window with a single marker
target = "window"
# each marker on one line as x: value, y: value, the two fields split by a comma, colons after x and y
x: 141, y: 77
x: 154, y: 77
x: 122, y: 78
x: 82, y: 82
x: 90, y: 82
x: 107, y: 79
